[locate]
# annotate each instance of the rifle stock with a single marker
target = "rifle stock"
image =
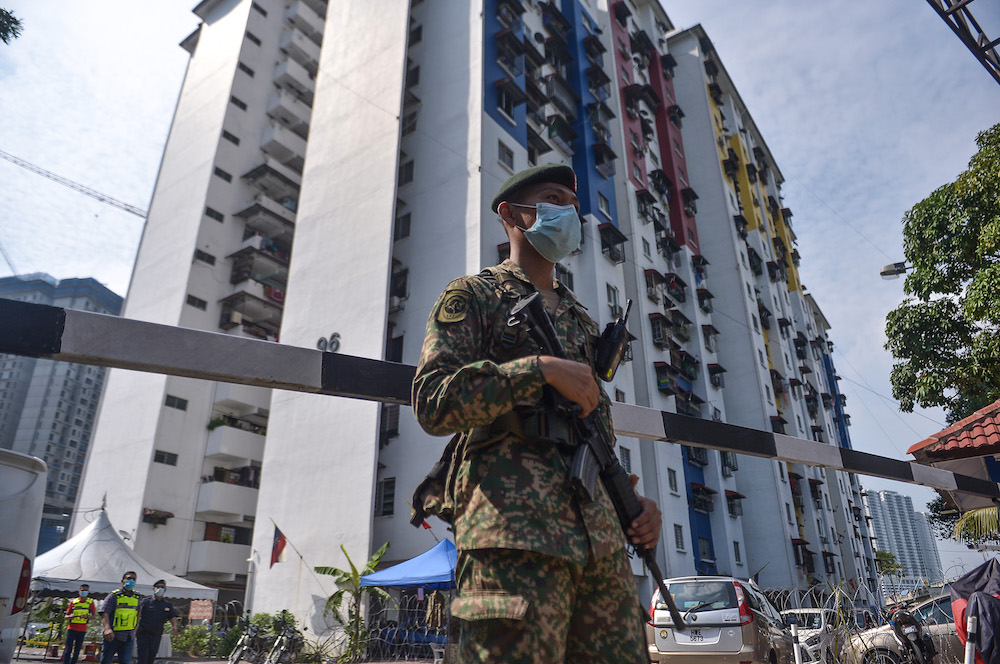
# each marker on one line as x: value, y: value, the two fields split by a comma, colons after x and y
x: 616, y: 481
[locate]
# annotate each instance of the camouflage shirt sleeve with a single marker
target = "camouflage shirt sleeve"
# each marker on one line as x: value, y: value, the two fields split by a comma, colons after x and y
x: 455, y: 387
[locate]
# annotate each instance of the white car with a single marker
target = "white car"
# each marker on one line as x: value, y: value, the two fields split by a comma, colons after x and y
x: 822, y: 637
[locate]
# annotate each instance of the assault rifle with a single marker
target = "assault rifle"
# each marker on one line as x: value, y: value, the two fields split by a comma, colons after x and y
x: 591, y: 434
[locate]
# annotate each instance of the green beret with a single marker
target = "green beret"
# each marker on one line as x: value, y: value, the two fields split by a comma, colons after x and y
x: 557, y: 173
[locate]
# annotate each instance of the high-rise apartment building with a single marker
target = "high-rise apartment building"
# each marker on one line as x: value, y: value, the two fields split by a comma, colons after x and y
x: 47, y: 408
x: 329, y: 171
x: 907, y: 535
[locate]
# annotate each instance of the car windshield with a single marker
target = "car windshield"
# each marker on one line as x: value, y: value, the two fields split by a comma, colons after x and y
x: 809, y: 620
x: 703, y: 595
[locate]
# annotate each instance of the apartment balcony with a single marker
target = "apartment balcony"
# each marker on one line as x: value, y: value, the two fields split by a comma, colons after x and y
x: 290, y: 74
x: 261, y: 261
x: 275, y: 180
x: 223, y: 502
x: 301, y: 49
x: 270, y: 218
x: 218, y: 558
x: 562, y: 134
x: 258, y: 317
x: 242, y: 399
x: 230, y: 445
x: 560, y: 93
x: 284, y: 145
x: 286, y: 107
x: 305, y: 18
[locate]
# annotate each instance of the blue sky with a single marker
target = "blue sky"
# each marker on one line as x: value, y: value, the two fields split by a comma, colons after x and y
x: 866, y: 106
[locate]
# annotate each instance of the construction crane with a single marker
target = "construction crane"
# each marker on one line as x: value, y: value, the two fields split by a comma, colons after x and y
x: 75, y: 186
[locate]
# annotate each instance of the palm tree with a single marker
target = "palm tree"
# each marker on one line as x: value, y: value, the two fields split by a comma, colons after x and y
x: 349, y: 586
x: 977, y: 525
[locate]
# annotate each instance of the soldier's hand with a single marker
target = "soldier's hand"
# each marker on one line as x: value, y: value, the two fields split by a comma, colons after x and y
x: 109, y: 634
x: 644, y: 531
x: 573, y: 380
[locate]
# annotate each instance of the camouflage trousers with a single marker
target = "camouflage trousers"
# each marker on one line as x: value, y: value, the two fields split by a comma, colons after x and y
x: 524, y: 607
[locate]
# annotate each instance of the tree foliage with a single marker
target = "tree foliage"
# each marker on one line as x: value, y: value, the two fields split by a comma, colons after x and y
x: 886, y: 564
x: 978, y: 525
x: 946, y: 333
x: 350, y: 588
x: 10, y: 26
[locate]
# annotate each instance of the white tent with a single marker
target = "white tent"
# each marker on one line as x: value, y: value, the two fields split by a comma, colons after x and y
x: 97, y: 556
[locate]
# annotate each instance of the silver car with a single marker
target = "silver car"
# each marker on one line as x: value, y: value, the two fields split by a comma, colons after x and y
x: 877, y: 646
x: 729, y: 621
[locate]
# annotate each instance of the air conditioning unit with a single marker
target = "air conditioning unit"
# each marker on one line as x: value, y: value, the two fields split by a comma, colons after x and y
x: 395, y: 303
x: 236, y: 317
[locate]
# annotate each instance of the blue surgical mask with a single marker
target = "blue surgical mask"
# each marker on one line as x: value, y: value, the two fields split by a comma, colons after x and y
x: 159, y: 591
x: 556, y: 232
x: 84, y: 593
x: 129, y: 584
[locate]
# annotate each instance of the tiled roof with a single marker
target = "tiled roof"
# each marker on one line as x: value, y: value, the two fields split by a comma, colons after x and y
x: 976, y: 435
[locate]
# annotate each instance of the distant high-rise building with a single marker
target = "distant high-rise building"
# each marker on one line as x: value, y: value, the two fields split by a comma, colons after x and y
x: 47, y: 408
x: 330, y: 169
x: 907, y: 535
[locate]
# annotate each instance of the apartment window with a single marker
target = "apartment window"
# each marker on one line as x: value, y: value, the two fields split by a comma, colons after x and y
x: 625, y: 457
x: 767, y: 389
x: 619, y: 396
x: 394, y: 352
x: 238, y: 103
x: 168, y: 458
x: 505, y: 104
x: 634, y: 139
x: 253, y: 38
x: 705, y: 550
x: 637, y: 172
x: 385, y: 497
x: 788, y: 513
x: 176, y: 402
x: 760, y: 354
x: 406, y: 173
x: 197, y: 302
x: 246, y: 70
x: 781, y: 471
x: 260, y: 10
x: 204, y: 257
x: 672, y: 480
x: 221, y: 174
x: 505, y: 155
x: 416, y: 35
x: 613, y: 301
x: 737, y: 556
x: 229, y: 137
x: 603, y: 205
x: 679, y: 537
x: 645, y: 248
x: 756, y: 326
x: 402, y: 228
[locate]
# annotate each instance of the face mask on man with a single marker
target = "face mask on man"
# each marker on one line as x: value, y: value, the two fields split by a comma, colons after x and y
x: 129, y: 584
x: 556, y: 232
x: 159, y: 591
x: 84, y: 593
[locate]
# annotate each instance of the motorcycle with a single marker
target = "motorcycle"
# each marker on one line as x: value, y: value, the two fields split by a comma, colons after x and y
x: 914, y: 641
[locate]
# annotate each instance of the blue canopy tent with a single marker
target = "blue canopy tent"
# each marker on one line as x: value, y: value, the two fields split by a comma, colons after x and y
x: 434, y: 568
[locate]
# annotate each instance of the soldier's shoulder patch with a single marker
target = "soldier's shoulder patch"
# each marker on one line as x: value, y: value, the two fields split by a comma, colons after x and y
x: 455, y: 306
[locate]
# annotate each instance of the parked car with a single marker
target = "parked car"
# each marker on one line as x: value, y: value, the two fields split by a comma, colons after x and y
x: 22, y: 492
x: 729, y: 621
x: 822, y: 636
x: 877, y: 646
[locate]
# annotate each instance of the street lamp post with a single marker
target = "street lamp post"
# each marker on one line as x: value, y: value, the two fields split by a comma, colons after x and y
x: 893, y: 270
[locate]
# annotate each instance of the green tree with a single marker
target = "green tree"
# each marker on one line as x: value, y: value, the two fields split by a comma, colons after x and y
x: 10, y: 26
x: 886, y: 564
x: 946, y: 333
x: 980, y: 525
x: 350, y: 588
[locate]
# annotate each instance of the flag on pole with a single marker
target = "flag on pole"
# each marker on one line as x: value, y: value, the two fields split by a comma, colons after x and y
x: 278, y: 547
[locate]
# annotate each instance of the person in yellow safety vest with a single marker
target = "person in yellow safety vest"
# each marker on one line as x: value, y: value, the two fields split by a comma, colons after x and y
x: 79, y: 612
x: 119, y: 616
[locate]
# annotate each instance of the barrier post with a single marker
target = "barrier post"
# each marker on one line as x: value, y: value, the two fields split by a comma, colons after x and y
x: 971, y: 626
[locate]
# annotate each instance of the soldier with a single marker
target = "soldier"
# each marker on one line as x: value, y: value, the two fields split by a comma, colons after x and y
x: 542, y: 571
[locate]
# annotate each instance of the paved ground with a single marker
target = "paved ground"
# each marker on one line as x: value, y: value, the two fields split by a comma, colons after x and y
x: 36, y: 655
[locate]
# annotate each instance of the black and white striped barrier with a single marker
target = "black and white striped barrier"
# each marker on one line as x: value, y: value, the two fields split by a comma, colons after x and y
x: 88, y: 338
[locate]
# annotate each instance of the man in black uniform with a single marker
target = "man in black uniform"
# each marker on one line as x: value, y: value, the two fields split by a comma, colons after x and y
x: 153, y: 612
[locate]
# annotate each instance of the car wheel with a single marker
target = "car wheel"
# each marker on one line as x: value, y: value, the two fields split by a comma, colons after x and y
x: 881, y: 657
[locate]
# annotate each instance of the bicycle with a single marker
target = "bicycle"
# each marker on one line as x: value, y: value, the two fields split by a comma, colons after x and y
x: 285, y: 646
x: 247, y: 649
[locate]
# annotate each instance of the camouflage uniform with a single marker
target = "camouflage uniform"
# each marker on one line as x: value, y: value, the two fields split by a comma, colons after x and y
x: 542, y: 575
